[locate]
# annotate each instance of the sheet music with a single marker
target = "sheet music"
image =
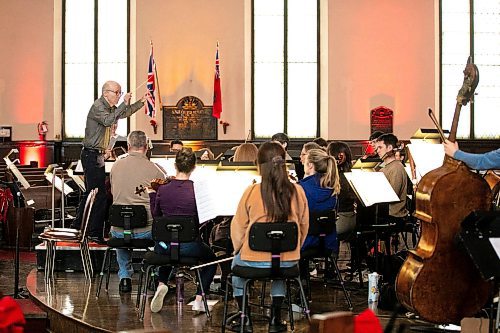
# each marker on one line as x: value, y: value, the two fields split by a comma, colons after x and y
x: 427, y: 156
x: 495, y: 242
x: 12, y: 167
x: 218, y: 193
x: 58, y: 183
x: 168, y: 164
x: 77, y: 179
x: 371, y: 187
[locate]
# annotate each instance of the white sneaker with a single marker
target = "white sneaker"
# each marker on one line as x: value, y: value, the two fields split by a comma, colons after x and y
x: 198, y: 306
x: 157, y: 301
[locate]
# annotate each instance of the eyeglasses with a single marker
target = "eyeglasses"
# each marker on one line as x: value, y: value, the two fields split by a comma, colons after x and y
x: 117, y: 93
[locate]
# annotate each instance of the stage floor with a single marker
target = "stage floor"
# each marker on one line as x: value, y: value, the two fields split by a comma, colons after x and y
x: 72, y: 299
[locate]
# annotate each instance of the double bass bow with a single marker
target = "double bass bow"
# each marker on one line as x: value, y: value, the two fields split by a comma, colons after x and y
x: 438, y: 281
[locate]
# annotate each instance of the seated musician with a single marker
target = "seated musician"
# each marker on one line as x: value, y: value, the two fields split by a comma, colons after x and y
x: 177, y: 198
x: 246, y: 152
x: 176, y: 145
x: 346, y: 215
x: 305, y: 148
x: 126, y: 174
x: 486, y: 161
x: 275, y: 199
x: 395, y: 173
x: 206, y: 154
x: 321, y: 185
x: 370, y: 149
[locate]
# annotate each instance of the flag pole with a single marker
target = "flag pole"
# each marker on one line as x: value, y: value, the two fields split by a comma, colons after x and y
x: 157, y: 82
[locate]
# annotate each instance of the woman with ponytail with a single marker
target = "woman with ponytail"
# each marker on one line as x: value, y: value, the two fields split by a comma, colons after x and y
x: 276, y: 199
x: 321, y: 185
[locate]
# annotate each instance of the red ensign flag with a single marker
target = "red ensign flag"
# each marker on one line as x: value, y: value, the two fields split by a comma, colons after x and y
x: 217, y: 107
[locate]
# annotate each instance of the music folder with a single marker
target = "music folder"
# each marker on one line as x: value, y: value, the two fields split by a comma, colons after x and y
x: 371, y: 187
x: 427, y: 156
x: 51, y: 176
x: 367, y: 164
x: 12, y: 167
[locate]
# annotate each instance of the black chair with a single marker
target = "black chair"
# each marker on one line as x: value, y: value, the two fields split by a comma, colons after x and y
x: 320, y: 225
x: 275, y: 238
x: 128, y: 217
x: 172, y: 230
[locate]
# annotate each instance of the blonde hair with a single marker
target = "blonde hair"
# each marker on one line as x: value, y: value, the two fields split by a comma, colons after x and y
x: 246, y: 152
x: 325, y: 165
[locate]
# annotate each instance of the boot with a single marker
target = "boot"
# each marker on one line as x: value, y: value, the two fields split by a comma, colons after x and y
x: 236, y: 325
x: 275, y: 324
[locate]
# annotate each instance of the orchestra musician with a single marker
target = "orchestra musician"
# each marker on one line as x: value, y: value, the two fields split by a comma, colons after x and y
x: 102, y: 114
x: 305, y: 148
x: 394, y: 171
x: 275, y: 199
x: 486, y: 161
x: 124, y: 177
x: 176, y: 145
x: 346, y: 209
x: 321, y: 185
x: 174, y: 199
x: 246, y: 152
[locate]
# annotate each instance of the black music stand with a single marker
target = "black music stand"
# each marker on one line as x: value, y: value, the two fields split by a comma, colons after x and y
x: 373, y: 188
x: 479, y: 237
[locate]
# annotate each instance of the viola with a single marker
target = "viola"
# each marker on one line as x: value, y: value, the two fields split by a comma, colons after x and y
x: 438, y: 281
x: 154, y: 184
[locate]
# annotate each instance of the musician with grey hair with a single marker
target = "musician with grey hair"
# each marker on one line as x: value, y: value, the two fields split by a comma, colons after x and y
x: 128, y: 173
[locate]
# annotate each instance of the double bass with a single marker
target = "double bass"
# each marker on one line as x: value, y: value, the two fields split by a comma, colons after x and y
x: 438, y: 281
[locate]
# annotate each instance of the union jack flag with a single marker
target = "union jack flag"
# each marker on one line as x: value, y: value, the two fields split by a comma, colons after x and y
x: 150, y: 108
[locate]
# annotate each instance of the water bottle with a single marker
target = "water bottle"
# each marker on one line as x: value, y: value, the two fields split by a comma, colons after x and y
x: 373, y: 291
x: 179, y: 281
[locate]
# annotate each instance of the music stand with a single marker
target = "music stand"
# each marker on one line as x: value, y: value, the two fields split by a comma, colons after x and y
x: 372, y: 188
x: 480, y: 237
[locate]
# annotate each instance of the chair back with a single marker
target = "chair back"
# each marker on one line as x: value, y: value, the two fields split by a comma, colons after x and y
x: 86, y: 213
x: 174, y: 230
x: 128, y: 217
x: 322, y: 224
x: 274, y: 237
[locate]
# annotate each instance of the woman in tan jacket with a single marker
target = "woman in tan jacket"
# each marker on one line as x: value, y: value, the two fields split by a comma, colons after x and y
x: 276, y: 199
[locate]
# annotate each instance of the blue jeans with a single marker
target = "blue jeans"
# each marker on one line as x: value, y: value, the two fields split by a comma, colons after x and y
x: 277, y: 286
x: 124, y: 256
x: 193, y: 249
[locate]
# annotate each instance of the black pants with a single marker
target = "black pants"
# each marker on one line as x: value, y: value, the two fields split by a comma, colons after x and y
x: 95, y: 177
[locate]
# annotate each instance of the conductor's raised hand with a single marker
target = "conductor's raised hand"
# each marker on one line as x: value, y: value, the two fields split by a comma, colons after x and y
x: 126, y: 98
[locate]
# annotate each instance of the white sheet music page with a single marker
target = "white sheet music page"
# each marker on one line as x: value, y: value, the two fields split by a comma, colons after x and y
x: 218, y: 193
x: 371, y: 187
x: 58, y: 183
x: 495, y: 242
x: 427, y: 156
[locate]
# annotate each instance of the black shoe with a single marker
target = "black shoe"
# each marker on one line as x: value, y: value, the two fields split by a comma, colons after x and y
x: 125, y: 285
x: 96, y: 239
x: 236, y: 326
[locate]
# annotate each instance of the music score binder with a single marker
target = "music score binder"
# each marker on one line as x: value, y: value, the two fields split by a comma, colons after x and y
x: 371, y: 187
x: 427, y: 157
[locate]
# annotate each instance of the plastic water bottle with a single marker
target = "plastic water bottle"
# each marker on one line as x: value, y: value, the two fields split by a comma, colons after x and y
x: 373, y: 291
x: 179, y: 281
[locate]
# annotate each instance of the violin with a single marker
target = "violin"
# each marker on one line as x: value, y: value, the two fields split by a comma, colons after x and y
x: 154, y: 184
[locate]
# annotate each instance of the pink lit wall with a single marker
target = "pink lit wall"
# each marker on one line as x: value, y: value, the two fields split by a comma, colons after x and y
x: 377, y: 53
x: 26, y: 71
x: 380, y: 53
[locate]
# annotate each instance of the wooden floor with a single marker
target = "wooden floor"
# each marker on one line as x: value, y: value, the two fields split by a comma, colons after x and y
x: 72, y: 306
x: 71, y: 297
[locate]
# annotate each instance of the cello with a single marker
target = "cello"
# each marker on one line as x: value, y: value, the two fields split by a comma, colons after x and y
x: 438, y: 281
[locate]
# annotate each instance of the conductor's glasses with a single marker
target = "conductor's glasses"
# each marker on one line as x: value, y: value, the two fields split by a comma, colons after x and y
x: 117, y: 93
